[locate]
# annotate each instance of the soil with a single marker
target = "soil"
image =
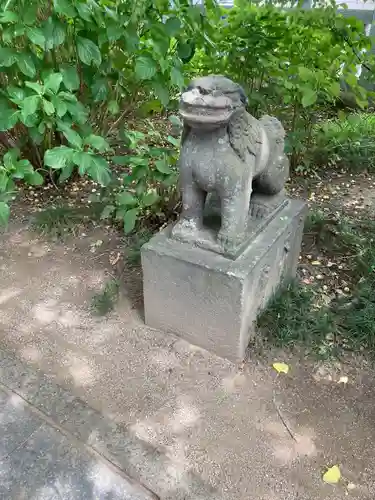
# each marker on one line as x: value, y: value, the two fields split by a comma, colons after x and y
x: 227, y: 424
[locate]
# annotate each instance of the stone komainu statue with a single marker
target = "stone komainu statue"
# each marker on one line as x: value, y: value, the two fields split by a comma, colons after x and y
x: 227, y: 153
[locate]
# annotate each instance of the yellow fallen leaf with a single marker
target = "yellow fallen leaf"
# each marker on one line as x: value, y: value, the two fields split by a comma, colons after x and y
x: 281, y: 367
x: 332, y: 475
x: 315, y: 263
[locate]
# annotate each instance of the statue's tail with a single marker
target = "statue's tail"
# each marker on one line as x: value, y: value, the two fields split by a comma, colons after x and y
x: 273, y: 128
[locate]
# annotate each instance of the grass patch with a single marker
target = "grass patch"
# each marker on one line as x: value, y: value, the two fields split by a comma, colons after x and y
x: 58, y: 222
x: 347, y: 142
x: 297, y: 315
x: 134, y: 244
x: 105, y: 301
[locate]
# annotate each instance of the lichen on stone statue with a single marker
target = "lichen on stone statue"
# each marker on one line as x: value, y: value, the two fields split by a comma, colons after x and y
x: 228, y: 160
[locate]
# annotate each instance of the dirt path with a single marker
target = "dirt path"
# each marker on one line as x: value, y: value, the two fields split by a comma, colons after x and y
x: 220, y: 422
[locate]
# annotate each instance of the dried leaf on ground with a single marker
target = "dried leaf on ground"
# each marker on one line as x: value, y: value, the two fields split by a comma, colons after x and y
x: 281, y: 367
x: 332, y: 475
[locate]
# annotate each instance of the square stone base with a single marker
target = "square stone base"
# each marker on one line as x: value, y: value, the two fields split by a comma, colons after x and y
x: 212, y: 301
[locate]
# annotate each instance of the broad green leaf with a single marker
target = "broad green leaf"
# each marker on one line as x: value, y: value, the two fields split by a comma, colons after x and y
x: 30, y: 105
x: 54, y: 32
x: 172, y: 26
x: 99, y: 170
x: 130, y: 218
x: 100, y: 89
x: 70, y: 77
x: 177, y: 78
x: 58, y: 158
x: 121, y: 160
x: 83, y: 161
x: 150, y: 199
x: 162, y: 166
x: 16, y: 94
x: 10, y: 158
x: 88, y: 52
x: 309, y: 97
x: 34, y: 179
x: 335, y: 89
x: 84, y: 11
x: 351, y: 79
x: 78, y: 111
x: 126, y: 198
x: 65, y: 8
x: 120, y: 213
x: 8, y: 119
x: 22, y: 169
x: 66, y: 172
x: 97, y: 142
x: 53, y: 81
x: 4, y: 181
x: 175, y: 120
x: 8, y: 17
x: 172, y: 140
x: 48, y: 107
x: 113, y: 107
x: 185, y: 51
x: 37, y: 87
x: 107, y: 211
x: 7, y: 56
x: 305, y: 73
x: 114, y: 31
x: 36, y: 36
x: 145, y: 68
x: 162, y: 92
x: 60, y: 106
x: 4, y: 213
x: 132, y: 39
x: 73, y: 138
x: 68, y: 96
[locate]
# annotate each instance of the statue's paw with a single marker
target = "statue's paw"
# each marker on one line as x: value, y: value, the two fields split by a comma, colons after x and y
x: 229, y: 241
x: 185, y: 229
x: 258, y: 211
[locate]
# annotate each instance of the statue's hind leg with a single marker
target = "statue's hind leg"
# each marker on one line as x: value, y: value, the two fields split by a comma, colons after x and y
x: 268, y: 188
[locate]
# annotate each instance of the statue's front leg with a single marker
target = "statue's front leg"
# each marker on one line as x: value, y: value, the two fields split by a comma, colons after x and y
x: 234, y: 215
x: 193, y: 200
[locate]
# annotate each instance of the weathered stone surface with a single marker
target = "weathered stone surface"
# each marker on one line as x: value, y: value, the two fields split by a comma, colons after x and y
x: 211, y: 300
x: 229, y: 154
x: 16, y: 424
x: 48, y: 466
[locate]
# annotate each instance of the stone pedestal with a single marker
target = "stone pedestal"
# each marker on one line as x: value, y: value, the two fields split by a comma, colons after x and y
x: 210, y: 300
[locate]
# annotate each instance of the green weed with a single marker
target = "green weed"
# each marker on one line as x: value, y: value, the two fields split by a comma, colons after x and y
x: 105, y: 301
x: 347, y: 142
x: 297, y: 317
x: 57, y: 222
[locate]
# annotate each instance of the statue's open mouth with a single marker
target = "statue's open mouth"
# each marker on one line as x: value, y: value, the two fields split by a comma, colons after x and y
x: 205, y: 114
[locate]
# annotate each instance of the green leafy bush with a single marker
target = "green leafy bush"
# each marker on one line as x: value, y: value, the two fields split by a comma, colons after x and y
x: 347, y: 141
x: 71, y: 71
x: 147, y: 189
x: 291, y: 63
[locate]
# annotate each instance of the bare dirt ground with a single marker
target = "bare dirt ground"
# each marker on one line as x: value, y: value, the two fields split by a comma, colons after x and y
x: 226, y: 424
